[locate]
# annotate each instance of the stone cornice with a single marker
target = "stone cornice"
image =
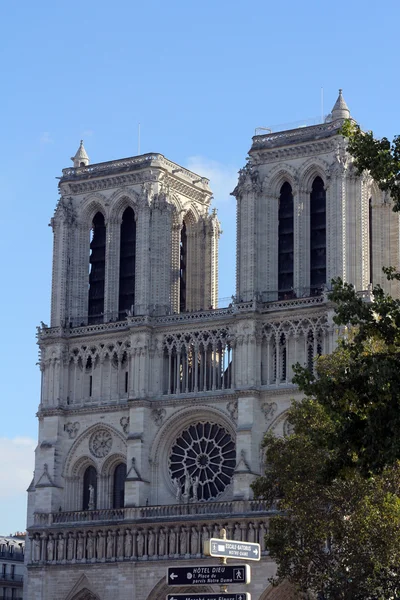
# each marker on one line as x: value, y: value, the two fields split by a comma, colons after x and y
x: 262, y: 155
x: 139, y: 169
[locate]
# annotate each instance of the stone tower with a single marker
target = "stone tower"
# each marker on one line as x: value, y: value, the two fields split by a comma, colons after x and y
x: 154, y: 400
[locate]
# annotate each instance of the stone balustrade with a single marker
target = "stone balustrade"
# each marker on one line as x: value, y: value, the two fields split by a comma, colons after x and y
x: 140, y: 542
x: 161, y: 512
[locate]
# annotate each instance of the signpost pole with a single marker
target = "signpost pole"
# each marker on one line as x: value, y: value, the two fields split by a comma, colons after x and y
x: 222, y: 560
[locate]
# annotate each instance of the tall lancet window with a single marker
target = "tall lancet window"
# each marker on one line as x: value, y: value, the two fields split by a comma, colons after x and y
x: 127, y: 256
x: 182, y: 268
x: 285, y: 247
x: 119, y: 486
x: 318, y: 237
x: 97, y: 269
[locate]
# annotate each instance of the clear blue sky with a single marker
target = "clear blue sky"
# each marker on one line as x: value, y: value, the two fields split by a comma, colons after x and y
x: 199, y: 77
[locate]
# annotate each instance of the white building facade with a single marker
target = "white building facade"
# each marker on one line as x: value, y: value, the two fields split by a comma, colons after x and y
x: 154, y: 401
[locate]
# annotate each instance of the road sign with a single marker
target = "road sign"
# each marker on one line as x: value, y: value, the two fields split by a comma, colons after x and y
x: 216, y: 596
x: 232, y: 549
x: 209, y: 575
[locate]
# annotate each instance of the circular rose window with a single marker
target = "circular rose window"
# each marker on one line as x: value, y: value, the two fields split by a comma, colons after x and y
x: 202, y: 461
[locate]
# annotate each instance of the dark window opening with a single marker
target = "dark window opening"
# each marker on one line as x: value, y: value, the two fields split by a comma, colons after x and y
x: 89, y: 479
x: 119, y: 486
x: 182, y: 269
x: 90, y: 385
x: 127, y: 260
x: 285, y: 243
x: 97, y: 270
x: 318, y: 237
x: 126, y: 382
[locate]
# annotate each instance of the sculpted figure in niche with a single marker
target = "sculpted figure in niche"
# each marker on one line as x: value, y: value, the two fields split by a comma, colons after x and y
x: 100, y: 545
x: 128, y: 543
x: 237, y: 534
x: 120, y: 544
x: 261, y: 538
x: 60, y: 547
x: 204, y: 536
x: 178, y: 489
x: 36, y: 549
x: 90, y: 546
x: 161, y: 543
x: 50, y: 548
x: 110, y: 545
x: 251, y: 533
x: 140, y: 543
x: 172, y: 542
x: 150, y: 549
x: 70, y: 546
x: 182, y: 539
x: 194, y: 542
x: 79, y: 547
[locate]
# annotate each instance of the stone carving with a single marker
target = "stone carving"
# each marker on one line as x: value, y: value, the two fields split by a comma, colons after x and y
x: 91, y: 497
x: 288, y: 428
x: 195, y: 486
x: 60, y: 547
x: 99, y: 544
x: 158, y: 415
x: 124, y: 422
x: 161, y: 543
x: 269, y: 409
x: 178, y: 489
x: 110, y: 545
x: 140, y: 543
x: 232, y: 408
x: 50, y: 548
x: 100, y: 443
x: 72, y: 429
x: 90, y: 546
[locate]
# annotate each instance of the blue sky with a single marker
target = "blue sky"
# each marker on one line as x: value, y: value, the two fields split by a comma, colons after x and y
x: 199, y: 77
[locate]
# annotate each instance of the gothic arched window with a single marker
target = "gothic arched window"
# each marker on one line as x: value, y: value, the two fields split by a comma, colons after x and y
x: 127, y: 259
x: 285, y: 244
x: 97, y: 269
x: 89, y: 496
x: 317, y: 237
x: 119, y: 486
x: 182, y: 268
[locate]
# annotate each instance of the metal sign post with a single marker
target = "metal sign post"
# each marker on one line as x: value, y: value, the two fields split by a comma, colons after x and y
x: 222, y: 575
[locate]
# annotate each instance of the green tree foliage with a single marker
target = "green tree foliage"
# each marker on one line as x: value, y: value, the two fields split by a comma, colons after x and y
x: 380, y: 157
x: 336, y: 479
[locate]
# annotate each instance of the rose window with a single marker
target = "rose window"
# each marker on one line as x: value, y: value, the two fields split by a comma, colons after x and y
x: 206, y: 454
x: 100, y: 443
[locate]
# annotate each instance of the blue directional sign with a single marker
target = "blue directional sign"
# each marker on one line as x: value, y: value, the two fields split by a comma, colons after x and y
x: 216, y: 596
x: 208, y: 575
x: 232, y: 549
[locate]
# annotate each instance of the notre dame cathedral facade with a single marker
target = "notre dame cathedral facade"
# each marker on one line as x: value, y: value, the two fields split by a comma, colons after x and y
x: 155, y: 401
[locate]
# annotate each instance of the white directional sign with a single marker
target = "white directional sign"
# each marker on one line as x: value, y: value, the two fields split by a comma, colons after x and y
x: 232, y: 549
x: 215, y: 596
x: 208, y: 574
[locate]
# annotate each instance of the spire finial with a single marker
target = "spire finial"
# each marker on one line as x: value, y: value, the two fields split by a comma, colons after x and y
x: 340, y: 109
x: 81, y: 158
